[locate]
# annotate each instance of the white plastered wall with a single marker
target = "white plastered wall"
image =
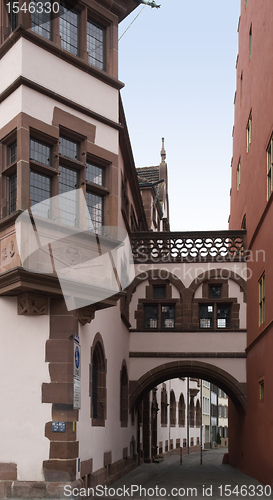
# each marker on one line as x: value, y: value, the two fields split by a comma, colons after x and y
x: 94, y: 441
x: 23, y: 371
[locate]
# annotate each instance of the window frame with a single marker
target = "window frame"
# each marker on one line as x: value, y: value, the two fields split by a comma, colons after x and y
x: 238, y: 178
x: 269, y: 170
x: 261, y: 284
x: 249, y: 132
x: 101, y: 65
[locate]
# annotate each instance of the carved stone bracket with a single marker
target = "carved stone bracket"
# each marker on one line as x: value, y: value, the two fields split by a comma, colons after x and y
x: 86, y: 314
x: 32, y: 304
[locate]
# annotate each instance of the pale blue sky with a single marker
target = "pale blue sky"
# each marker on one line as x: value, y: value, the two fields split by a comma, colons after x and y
x: 178, y: 64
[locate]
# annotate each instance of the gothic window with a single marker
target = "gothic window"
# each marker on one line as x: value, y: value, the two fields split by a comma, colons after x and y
x: 192, y: 412
x: 98, y: 385
x: 172, y: 409
x: 181, y: 411
x: 164, y: 406
x: 198, y: 414
x: 124, y: 397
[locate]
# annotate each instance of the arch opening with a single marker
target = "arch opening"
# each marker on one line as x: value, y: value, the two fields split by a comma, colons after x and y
x: 196, y: 369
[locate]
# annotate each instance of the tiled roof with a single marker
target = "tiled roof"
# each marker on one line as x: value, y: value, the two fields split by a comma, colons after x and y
x: 148, y: 174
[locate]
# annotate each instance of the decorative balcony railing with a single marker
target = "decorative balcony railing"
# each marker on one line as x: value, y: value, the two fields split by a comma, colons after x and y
x: 218, y: 246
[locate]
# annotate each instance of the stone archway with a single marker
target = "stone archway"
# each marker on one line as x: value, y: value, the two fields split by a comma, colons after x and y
x: 188, y: 368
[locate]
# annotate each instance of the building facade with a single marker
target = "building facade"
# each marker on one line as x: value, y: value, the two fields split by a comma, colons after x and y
x: 252, y: 209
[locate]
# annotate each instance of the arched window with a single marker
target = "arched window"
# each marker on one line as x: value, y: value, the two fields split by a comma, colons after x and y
x: 181, y: 411
x: 172, y: 409
x: 198, y: 414
x: 123, y: 396
x: 98, y: 384
x: 164, y: 404
x: 192, y: 413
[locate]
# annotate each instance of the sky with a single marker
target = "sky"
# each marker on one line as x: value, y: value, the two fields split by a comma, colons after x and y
x: 178, y: 66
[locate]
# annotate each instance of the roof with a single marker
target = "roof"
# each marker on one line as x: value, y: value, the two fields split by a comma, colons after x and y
x: 148, y: 174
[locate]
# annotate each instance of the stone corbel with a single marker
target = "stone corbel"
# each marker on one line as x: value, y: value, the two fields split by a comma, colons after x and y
x: 32, y: 304
x: 86, y: 314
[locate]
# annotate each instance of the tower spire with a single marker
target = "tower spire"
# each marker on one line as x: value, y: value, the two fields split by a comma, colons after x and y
x: 163, y: 152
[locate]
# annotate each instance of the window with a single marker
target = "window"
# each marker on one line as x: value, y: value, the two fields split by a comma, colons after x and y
x: 269, y: 168
x: 13, y: 16
x: 94, y: 204
x: 249, y: 132
x: 198, y: 414
x: 98, y: 386
x: 159, y: 292
x: 164, y: 406
x: 124, y: 397
x: 239, y: 175
x: 69, y: 21
x: 223, y: 316
x: 40, y: 191
x: 68, y: 181
x: 41, y: 153
x: 250, y: 42
x: 95, y: 201
x: 172, y: 409
x: 219, y: 411
x: 95, y: 45
x: 206, y: 316
x: 262, y: 300
x: 40, y: 19
x: 181, y: 411
x: 12, y: 153
x: 12, y: 193
x: 215, y: 291
x: 191, y: 413
x: 69, y: 148
x: 261, y: 383
x: 156, y: 315
x: 95, y: 174
x: 206, y: 384
x: 217, y: 315
x: 205, y: 405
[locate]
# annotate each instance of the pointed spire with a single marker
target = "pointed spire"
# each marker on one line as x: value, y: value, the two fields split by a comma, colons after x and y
x: 163, y: 152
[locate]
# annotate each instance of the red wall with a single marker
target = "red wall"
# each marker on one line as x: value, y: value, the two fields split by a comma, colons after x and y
x: 251, y: 437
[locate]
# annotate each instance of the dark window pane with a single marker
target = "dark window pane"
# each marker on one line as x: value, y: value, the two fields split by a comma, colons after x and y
x: 95, y: 45
x: 167, y: 316
x: 69, y: 29
x: 150, y: 316
x: 206, y: 316
x: 68, y: 181
x: 12, y: 153
x: 40, y: 19
x: 40, y: 191
x: 69, y: 148
x: 12, y: 193
x: 40, y: 152
x: 13, y: 17
x: 94, y: 174
x: 95, y: 207
x: 159, y: 292
x: 215, y: 291
x: 223, y: 316
x: 95, y: 387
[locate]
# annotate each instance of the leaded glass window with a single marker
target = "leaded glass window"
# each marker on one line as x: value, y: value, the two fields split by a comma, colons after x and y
x: 94, y: 174
x: 95, y: 45
x: 40, y: 191
x: 95, y: 207
x: 69, y: 21
x: 41, y: 19
x: 69, y: 148
x: 12, y: 193
x: 68, y: 182
x: 39, y: 152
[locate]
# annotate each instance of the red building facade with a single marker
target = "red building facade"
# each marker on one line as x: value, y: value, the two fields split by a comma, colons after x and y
x: 251, y: 440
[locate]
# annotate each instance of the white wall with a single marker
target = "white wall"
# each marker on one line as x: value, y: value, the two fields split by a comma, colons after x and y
x: 23, y: 370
